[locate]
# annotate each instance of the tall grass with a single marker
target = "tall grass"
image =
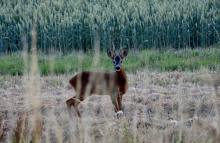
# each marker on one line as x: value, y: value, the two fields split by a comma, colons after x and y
x: 73, y: 24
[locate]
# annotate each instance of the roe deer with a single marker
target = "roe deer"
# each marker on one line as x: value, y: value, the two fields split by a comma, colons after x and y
x: 114, y: 84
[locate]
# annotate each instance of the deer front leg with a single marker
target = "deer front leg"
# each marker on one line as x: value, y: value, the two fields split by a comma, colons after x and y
x: 119, y: 102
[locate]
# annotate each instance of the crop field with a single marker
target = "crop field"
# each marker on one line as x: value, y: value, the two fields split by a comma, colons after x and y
x: 66, y: 25
x: 172, y: 68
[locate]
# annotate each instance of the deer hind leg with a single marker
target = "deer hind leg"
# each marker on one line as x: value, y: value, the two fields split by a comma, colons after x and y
x: 68, y: 103
x: 73, y: 102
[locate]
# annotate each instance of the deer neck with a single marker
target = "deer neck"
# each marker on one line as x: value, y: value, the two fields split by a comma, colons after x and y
x: 121, y: 75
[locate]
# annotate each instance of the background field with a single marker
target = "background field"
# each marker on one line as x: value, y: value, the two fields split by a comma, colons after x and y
x: 172, y: 69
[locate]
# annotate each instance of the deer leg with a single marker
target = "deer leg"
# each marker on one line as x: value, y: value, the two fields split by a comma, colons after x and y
x: 114, y: 102
x: 118, y: 107
x: 74, y: 103
x: 119, y: 101
x: 68, y: 103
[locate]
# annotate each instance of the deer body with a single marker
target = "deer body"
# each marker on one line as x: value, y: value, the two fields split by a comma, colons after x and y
x: 88, y: 83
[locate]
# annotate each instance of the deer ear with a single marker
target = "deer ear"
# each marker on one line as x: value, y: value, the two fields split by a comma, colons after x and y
x: 124, y: 53
x: 110, y: 53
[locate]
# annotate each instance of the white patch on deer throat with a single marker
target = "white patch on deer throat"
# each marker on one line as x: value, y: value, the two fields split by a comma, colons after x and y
x: 117, y: 70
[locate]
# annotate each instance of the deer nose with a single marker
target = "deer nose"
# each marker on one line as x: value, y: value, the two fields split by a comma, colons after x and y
x: 117, y: 68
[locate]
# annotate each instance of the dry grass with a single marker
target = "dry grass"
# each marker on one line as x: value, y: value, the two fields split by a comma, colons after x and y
x: 152, y: 105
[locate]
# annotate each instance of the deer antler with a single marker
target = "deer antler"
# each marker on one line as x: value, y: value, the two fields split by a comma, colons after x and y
x: 113, y: 48
x: 120, y: 50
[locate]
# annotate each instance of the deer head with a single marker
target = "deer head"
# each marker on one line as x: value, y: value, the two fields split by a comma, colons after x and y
x: 117, y: 57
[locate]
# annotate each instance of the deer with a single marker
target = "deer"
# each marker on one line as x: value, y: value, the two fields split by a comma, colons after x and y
x: 113, y: 84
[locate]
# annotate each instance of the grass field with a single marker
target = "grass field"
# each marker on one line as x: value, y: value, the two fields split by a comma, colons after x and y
x: 158, y: 107
x: 153, y: 60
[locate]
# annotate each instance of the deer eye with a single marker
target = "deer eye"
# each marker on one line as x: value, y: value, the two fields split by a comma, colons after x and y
x: 121, y: 61
x: 113, y: 62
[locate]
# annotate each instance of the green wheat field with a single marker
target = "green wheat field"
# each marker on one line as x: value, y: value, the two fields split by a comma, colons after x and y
x: 172, y: 67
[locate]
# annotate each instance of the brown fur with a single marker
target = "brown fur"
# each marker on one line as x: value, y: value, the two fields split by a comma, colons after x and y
x: 88, y: 83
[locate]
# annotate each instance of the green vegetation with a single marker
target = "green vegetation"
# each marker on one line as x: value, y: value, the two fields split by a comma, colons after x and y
x: 170, y: 60
x: 72, y: 24
x: 128, y: 135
